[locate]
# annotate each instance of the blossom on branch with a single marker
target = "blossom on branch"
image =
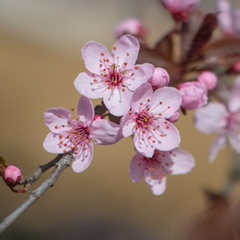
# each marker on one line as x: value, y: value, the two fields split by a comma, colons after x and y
x: 147, y: 119
x: 155, y: 169
x: 76, y: 134
x: 223, y: 120
x: 180, y: 9
x: 113, y: 77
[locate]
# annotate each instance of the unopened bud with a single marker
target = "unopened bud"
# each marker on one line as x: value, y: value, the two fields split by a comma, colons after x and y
x: 160, y: 78
x: 12, y: 175
x: 209, y: 79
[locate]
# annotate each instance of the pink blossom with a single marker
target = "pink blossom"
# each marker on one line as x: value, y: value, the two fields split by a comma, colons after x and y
x: 209, y: 79
x: 222, y: 120
x: 12, y: 175
x: 228, y: 18
x: 76, y: 134
x: 194, y: 95
x: 113, y: 77
x: 131, y: 26
x: 147, y: 119
x: 160, y: 78
x: 180, y: 9
x: 155, y: 169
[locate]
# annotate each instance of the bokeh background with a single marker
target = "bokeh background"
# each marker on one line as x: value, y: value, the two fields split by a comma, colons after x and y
x: 40, y: 56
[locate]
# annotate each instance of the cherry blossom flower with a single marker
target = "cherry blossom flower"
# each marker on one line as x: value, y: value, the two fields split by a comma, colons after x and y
x: 194, y: 95
x: 155, y: 169
x: 180, y: 8
x: 113, y: 77
x: 131, y: 26
x: 147, y: 119
x: 228, y: 18
x: 222, y: 120
x: 76, y: 134
x: 12, y: 175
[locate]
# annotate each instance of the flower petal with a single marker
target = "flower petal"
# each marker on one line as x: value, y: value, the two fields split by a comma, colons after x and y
x: 51, y: 144
x: 104, y: 132
x: 94, y: 54
x: 158, y: 187
x: 219, y: 143
x: 55, y: 118
x: 86, y: 85
x: 83, y: 158
x: 138, y: 75
x: 136, y: 169
x: 127, y: 124
x: 183, y: 162
x: 166, y: 100
x: 117, y: 101
x: 85, y: 110
x: 167, y: 136
x: 211, y: 118
x: 126, y: 50
x: 141, y: 96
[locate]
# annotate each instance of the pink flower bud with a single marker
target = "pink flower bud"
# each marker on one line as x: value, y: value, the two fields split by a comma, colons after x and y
x: 194, y: 95
x: 174, y: 117
x: 160, y: 78
x: 12, y: 175
x: 132, y: 26
x: 209, y: 79
x: 180, y: 8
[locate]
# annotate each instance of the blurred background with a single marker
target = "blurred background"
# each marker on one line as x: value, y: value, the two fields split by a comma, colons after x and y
x: 40, y: 49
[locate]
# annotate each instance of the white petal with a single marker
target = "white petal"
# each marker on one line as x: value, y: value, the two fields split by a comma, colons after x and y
x: 211, y: 118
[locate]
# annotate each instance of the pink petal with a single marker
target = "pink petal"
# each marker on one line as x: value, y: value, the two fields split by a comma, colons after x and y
x: 104, y: 132
x: 142, y: 144
x: 211, y: 118
x: 140, y: 96
x: 83, y: 158
x: 117, y: 101
x: 136, y: 169
x: 54, y: 118
x: 126, y: 50
x: 127, y: 124
x: 51, y: 144
x: 85, y: 85
x: 138, y: 75
x: 168, y: 136
x: 183, y: 162
x: 93, y: 54
x: 166, y: 100
x: 219, y: 143
x: 234, y: 99
x: 158, y: 187
x: 85, y: 110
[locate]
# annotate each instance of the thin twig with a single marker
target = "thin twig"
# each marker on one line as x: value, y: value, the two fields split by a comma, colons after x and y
x: 62, y: 164
x: 29, y: 180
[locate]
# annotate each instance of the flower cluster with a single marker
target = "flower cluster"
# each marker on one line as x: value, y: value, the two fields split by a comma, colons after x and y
x: 138, y: 96
x: 144, y: 89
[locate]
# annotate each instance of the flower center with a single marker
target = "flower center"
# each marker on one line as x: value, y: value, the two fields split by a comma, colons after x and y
x: 75, y: 138
x: 144, y: 120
